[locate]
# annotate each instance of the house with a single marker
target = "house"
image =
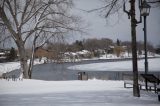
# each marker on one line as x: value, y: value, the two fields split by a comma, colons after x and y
x: 4, y: 52
x: 43, y: 53
x: 110, y: 50
x: 84, y: 54
x: 3, y: 55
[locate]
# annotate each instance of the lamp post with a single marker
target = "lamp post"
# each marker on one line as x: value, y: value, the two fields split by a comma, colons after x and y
x: 145, y: 9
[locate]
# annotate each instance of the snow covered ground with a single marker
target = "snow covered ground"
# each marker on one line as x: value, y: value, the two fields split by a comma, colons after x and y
x: 76, y: 93
x: 39, y: 86
x: 71, y: 93
x: 154, y: 65
x: 10, y: 66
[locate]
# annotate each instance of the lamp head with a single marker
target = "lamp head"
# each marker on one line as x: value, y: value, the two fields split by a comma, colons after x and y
x: 145, y: 8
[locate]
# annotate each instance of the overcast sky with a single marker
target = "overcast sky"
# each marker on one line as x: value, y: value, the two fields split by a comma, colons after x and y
x: 116, y: 28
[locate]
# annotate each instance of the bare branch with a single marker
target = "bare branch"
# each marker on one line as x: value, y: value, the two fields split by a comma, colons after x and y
x: 25, y: 10
x: 14, y: 15
x: 7, y: 22
x: 4, y: 39
x: 154, y: 1
x: 111, y: 8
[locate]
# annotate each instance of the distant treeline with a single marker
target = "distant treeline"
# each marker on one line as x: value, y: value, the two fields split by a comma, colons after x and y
x: 103, y: 43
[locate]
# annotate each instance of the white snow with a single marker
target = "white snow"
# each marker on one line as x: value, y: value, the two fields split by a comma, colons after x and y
x: 72, y: 93
x: 2, y: 53
x: 10, y: 66
x: 154, y: 65
x: 76, y: 93
x: 38, y: 86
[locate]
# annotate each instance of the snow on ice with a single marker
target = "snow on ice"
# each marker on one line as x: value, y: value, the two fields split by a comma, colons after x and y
x: 154, y: 65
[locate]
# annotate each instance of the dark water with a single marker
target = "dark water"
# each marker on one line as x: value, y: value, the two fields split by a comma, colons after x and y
x: 55, y: 71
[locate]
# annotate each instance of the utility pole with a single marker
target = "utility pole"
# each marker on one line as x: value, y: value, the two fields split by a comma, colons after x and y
x: 132, y: 15
x: 136, y: 91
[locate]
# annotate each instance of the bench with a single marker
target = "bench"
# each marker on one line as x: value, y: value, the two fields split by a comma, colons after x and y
x: 128, y: 82
x: 152, y: 79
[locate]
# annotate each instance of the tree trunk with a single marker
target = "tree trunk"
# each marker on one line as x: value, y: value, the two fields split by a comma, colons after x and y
x: 32, y: 60
x: 24, y: 69
x: 136, y: 91
x: 23, y: 60
x: 31, y: 65
x: 19, y: 42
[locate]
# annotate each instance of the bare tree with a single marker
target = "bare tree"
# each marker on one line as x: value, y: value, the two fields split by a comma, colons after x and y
x: 36, y: 22
x: 4, y: 37
x: 114, y: 6
x: 128, y: 46
x: 58, y: 48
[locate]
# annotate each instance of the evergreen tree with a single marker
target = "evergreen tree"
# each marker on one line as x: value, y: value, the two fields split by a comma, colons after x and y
x: 79, y: 45
x: 118, y: 42
x: 12, y: 55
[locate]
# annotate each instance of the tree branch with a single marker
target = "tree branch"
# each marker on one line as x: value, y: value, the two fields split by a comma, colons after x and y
x: 157, y: 1
x: 14, y: 15
x: 7, y: 23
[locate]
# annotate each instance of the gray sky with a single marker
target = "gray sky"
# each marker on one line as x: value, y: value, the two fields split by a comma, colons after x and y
x: 116, y: 27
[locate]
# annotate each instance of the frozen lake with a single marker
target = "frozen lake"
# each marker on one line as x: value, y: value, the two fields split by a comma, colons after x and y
x: 99, y: 69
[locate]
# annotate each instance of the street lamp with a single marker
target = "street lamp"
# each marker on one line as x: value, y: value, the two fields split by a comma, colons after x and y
x: 145, y: 8
x: 144, y: 11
